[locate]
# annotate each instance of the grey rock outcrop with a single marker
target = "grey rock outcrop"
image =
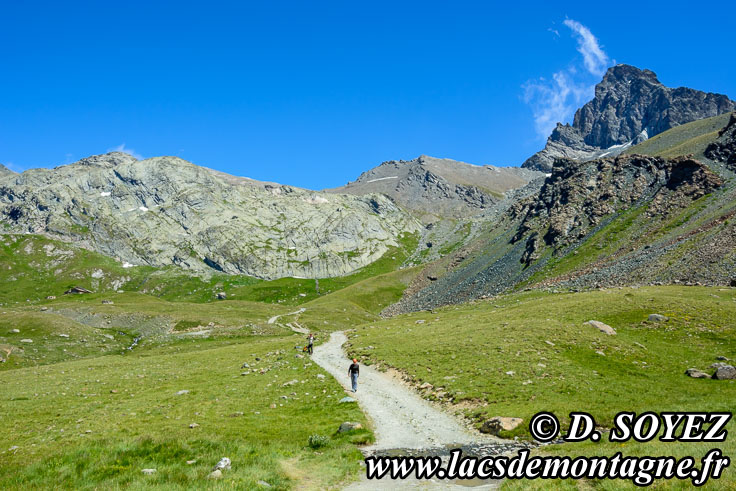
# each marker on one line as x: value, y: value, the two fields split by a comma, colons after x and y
x: 433, y: 188
x: 166, y: 211
x: 630, y: 106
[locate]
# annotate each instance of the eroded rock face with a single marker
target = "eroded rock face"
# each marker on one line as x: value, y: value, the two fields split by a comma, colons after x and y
x: 577, y: 196
x: 164, y: 211
x: 630, y: 106
x: 724, y: 148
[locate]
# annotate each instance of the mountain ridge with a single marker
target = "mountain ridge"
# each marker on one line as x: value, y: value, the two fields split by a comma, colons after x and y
x: 165, y: 210
x: 434, y: 188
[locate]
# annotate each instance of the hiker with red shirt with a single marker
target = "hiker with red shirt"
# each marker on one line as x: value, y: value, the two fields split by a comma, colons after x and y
x: 353, y: 373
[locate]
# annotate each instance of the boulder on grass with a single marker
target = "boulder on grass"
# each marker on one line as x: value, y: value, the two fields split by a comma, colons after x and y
x: 725, y: 373
x: 695, y: 373
x: 604, y: 328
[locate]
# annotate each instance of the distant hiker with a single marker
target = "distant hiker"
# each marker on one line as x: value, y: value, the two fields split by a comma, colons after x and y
x: 310, y: 343
x: 353, y: 373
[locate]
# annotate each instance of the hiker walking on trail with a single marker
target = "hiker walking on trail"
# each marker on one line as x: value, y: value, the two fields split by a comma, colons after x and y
x: 310, y: 343
x: 353, y: 373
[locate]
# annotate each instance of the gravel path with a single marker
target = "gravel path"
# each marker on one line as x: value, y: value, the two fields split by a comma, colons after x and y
x: 401, y: 419
x: 276, y: 317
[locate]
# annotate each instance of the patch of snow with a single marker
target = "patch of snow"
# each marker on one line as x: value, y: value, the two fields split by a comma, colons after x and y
x: 382, y: 179
x: 620, y: 146
x: 126, y: 265
x: 105, y: 193
x: 603, y: 154
x: 548, y: 175
x: 143, y: 208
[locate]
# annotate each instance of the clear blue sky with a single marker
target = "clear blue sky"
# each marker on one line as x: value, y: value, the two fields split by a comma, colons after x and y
x: 313, y: 93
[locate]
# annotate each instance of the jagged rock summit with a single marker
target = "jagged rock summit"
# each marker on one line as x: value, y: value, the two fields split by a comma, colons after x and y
x: 630, y: 106
x: 165, y: 210
x: 433, y: 188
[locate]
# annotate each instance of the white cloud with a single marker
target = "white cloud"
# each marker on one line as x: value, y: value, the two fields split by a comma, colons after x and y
x: 596, y: 61
x: 555, y: 100
x: 124, y: 149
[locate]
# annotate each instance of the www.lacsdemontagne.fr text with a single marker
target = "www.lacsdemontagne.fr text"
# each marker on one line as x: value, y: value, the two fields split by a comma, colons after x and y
x: 642, y: 471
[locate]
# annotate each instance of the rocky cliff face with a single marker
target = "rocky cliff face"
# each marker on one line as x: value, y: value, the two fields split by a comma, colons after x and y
x: 434, y: 188
x: 630, y: 105
x: 724, y: 148
x: 165, y: 210
x: 578, y: 195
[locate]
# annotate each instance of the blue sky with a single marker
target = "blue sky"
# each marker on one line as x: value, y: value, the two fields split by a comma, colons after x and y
x: 313, y: 93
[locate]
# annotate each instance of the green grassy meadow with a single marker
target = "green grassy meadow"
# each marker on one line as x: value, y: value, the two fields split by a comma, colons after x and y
x: 97, y: 422
x: 524, y: 353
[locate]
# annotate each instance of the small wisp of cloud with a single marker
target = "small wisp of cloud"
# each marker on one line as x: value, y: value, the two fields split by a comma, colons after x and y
x: 555, y: 100
x: 124, y: 149
x: 596, y: 61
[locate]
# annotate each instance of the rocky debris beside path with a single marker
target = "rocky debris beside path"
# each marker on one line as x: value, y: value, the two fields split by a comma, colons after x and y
x: 495, y: 425
x: 349, y: 426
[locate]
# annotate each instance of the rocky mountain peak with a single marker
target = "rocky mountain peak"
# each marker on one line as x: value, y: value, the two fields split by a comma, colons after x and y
x: 626, y: 74
x: 107, y: 160
x: 630, y: 106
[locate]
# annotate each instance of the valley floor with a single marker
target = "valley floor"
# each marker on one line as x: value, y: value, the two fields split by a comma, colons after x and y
x: 84, y: 412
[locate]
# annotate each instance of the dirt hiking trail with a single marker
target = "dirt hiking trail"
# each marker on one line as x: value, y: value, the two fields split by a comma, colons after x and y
x: 401, y: 419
